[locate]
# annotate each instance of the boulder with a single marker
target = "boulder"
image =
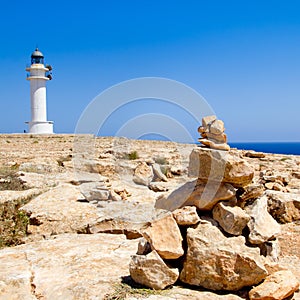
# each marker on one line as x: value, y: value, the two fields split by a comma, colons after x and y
x: 143, y: 174
x: 214, y: 165
x: 203, y: 195
x: 284, y: 207
x: 216, y: 262
x: 151, y: 271
x: 232, y: 219
x: 164, y: 237
x: 186, y: 216
x: 262, y: 226
x: 276, y: 286
x: 207, y: 194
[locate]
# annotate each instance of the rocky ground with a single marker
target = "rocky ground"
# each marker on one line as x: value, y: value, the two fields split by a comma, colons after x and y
x: 77, y: 227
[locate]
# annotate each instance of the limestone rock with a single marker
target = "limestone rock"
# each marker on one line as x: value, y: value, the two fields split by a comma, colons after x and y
x: 143, y: 174
x: 213, y: 145
x: 59, y: 211
x: 164, y: 236
x: 232, y: 219
x: 206, y: 121
x: 254, y: 154
x: 214, y: 165
x: 276, y: 286
x: 70, y: 266
x: 219, y: 263
x: 204, y: 195
x: 218, y: 138
x: 186, y: 216
x: 207, y: 194
x: 217, y: 127
x: 158, y: 174
x: 284, y: 207
x: 251, y: 191
x: 151, y: 271
x: 262, y: 226
x: 270, y: 249
x: 95, y: 191
x: 143, y: 247
x: 157, y: 187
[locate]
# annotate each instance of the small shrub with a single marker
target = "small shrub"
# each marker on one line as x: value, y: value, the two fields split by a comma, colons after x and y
x: 161, y: 160
x: 122, y: 291
x: 132, y: 155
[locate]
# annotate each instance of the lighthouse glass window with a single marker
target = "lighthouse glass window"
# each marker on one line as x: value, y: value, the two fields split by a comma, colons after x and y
x: 37, y: 60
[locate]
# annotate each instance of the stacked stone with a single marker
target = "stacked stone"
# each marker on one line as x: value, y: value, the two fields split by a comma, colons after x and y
x: 212, y: 134
x: 209, y: 215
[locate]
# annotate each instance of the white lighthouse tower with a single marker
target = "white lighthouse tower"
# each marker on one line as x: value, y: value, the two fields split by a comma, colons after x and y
x: 38, y: 76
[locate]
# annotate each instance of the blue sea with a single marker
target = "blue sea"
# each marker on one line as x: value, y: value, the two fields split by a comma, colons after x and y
x: 270, y: 147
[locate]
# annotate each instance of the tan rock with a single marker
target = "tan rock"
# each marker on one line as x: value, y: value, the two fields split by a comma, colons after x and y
x: 269, y: 185
x: 203, y: 195
x: 254, y: 154
x: 251, y: 191
x: 214, y: 165
x: 143, y: 174
x: 216, y: 262
x: 164, y: 237
x: 232, y: 219
x: 217, y: 127
x: 59, y: 211
x: 214, y: 145
x: 151, y: 271
x: 277, y: 286
x: 158, y: 174
x: 70, y: 266
x: 207, y: 194
x: 284, y: 207
x: 186, y: 216
x: 143, y: 247
x: 218, y: 138
x: 206, y: 121
x: 262, y: 226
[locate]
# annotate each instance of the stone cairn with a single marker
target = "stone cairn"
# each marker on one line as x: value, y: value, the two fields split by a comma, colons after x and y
x: 216, y: 232
x: 212, y: 134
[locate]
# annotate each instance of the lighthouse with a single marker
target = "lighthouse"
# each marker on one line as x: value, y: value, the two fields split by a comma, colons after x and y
x: 38, y: 75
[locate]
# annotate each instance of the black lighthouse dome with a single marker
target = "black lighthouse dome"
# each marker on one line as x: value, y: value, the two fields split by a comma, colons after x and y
x: 37, y: 57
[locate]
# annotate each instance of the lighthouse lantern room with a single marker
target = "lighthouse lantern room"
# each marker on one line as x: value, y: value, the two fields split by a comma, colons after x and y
x: 38, y: 75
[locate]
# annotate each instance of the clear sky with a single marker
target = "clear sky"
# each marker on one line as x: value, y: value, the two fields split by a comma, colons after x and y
x: 243, y: 57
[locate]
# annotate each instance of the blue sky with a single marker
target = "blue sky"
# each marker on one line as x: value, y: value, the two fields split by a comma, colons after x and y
x: 243, y: 57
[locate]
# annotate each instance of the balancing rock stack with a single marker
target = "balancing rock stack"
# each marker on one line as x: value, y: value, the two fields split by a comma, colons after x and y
x: 216, y: 232
x: 212, y: 134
